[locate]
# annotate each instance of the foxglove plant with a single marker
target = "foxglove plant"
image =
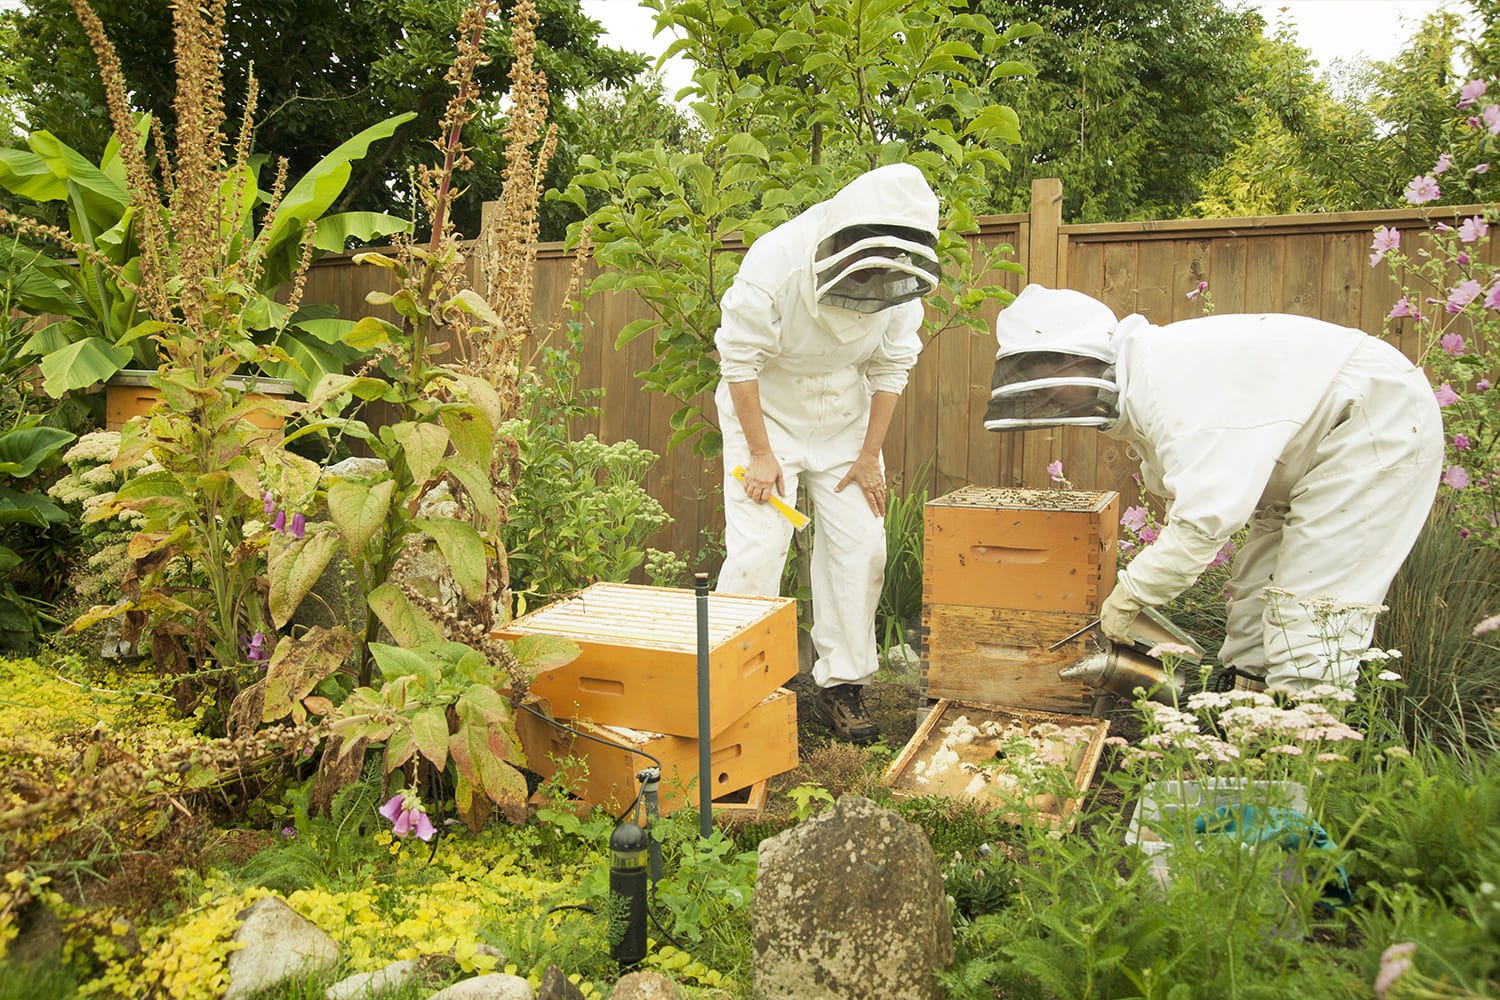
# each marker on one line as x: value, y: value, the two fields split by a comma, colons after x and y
x: 1449, y: 294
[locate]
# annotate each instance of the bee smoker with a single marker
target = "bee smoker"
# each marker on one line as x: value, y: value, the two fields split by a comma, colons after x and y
x: 1122, y: 669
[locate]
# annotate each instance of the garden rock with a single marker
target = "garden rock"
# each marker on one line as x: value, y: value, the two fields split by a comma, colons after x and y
x: 849, y: 904
x: 901, y: 659
x: 279, y: 944
x: 494, y: 986
x: 555, y: 986
x: 367, y: 985
x: 645, y: 986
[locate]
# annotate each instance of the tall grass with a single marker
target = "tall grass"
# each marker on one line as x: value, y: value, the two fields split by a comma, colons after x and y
x: 900, y: 607
x: 1447, y: 586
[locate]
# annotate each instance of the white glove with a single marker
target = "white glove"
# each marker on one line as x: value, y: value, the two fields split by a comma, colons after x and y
x: 1119, y: 612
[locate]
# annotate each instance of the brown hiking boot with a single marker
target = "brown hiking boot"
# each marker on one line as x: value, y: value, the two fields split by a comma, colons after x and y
x: 842, y: 707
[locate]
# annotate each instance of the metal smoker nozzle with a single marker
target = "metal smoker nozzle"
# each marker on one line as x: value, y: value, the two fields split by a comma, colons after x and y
x: 1122, y: 669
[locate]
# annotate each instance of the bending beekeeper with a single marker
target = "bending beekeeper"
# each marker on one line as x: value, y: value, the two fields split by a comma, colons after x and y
x: 1326, y: 441
x: 818, y: 333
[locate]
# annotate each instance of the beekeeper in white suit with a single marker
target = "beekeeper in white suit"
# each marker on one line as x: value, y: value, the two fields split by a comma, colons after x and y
x: 818, y: 333
x: 1326, y: 441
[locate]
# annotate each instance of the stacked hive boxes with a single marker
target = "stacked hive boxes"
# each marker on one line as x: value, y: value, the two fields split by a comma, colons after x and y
x: 1006, y: 574
x: 634, y: 684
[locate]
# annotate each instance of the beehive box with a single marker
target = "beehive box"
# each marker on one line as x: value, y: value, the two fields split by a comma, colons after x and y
x: 638, y: 661
x: 1007, y: 573
x: 1027, y: 550
x: 1001, y: 757
x: 759, y: 745
x: 996, y: 656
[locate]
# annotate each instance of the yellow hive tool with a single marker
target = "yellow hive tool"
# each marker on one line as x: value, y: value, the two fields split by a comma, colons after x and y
x: 799, y: 520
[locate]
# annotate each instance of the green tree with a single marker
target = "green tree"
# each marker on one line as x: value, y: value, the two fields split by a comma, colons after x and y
x: 796, y: 98
x: 1132, y: 104
x: 326, y: 69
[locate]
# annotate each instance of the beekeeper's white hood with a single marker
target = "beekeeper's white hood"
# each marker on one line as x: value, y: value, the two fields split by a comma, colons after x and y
x: 876, y: 242
x: 1068, y: 332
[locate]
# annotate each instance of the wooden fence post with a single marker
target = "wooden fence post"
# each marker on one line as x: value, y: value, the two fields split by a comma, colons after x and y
x: 1042, y: 267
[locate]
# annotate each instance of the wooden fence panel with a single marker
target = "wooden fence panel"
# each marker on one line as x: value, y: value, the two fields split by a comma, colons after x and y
x: 1312, y: 265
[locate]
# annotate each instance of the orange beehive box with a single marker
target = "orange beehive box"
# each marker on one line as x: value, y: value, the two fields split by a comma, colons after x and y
x: 1030, y: 550
x: 760, y: 744
x: 638, y: 660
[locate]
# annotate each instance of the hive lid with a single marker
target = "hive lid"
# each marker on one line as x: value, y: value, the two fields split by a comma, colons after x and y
x: 1014, y: 498
x: 651, y: 617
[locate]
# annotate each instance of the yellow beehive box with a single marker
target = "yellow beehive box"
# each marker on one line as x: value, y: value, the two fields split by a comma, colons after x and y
x: 638, y: 660
x: 1027, y: 766
x: 1029, y: 550
x: 760, y: 744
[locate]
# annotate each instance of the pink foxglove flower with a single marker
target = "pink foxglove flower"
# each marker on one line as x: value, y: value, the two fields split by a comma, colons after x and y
x: 255, y: 649
x: 268, y: 503
x: 1473, y: 228
x: 280, y: 523
x: 1471, y: 93
x: 1453, y: 343
x: 1134, y: 518
x: 1403, y: 308
x: 407, y: 816
x: 1456, y: 476
x: 1462, y: 294
x: 1423, y: 189
x: 1461, y: 442
x: 1444, y: 162
x: 299, y: 525
x: 1445, y: 395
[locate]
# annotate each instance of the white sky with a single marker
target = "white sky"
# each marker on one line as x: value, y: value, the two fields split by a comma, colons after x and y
x: 1329, y: 29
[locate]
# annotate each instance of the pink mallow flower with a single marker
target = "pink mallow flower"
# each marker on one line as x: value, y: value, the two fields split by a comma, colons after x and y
x: 1445, y: 395
x: 1480, y: 168
x: 1490, y: 624
x: 1387, y: 238
x: 1055, y: 472
x: 1443, y: 164
x: 407, y: 816
x: 1403, y: 308
x: 1456, y: 476
x: 1461, y: 442
x: 1223, y: 557
x: 1491, y: 117
x: 1483, y: 385
x: 1423, y: 189
x: 1462, y: 294
x: 1473, y: 228
x: 1199, y: 290
x: 1471, y: 92
x: 1148, y: 535
x: 1134, y: 518
x: 1453, y: 343
x: 1492, y: 297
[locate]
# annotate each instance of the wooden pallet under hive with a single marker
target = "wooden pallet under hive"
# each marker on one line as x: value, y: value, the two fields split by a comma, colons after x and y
x: 759, y: 745
x: 638, y: 660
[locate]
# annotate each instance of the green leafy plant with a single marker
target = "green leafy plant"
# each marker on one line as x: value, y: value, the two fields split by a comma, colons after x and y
x: 796, y: 99
x: 808, y: 799
x: 24, y: 511
x: 900, y: 607
x: 97, y: 288
x: 579, y: 511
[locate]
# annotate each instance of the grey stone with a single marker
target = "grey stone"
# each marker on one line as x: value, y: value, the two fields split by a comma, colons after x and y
x: 849, y: 903
x: 373, y: 984
x: 901, y: 659
x: 645, y: 986
x: 555, y: 986
x: 494, y: 986
x: 279, y: 944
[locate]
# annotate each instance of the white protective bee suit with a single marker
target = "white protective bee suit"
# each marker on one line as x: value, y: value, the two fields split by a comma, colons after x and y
x: 823, y: 315
x: 1326, y: 441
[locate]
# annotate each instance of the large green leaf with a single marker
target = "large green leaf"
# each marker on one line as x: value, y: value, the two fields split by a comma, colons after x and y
x: 463, y: 550
x: 407, y: 623
x: 29, y: 508
x: 429, y: 728
x: 22, y: 450
x: 294, y: 566
x: 334, y: 231
x: 296, y: 667
x: 82, y: 364
x: 396, y: 662
x: 317, y: 190
x: 359, y: 510
x: 423, y: 445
